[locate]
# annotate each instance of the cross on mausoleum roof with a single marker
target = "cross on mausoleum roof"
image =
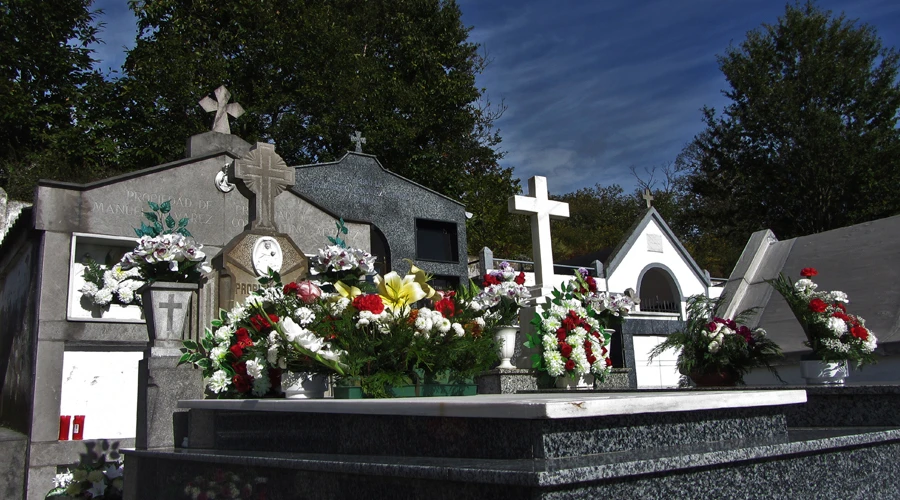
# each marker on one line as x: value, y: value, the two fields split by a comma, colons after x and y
x: 222, y: 108
x: 358, y: 139
x: 266, y: 174
x: 541, y: 209
x: 648, y: 197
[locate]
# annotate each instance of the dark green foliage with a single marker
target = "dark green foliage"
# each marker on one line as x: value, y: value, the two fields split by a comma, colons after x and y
x: 809, y: 141
x: 162, y: 222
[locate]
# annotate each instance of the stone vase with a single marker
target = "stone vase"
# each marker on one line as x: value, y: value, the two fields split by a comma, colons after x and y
x: 818, y: 372
x: 166, y: 305
x: 583, y: 381
x: 305, y: 385
x: 505, y: 338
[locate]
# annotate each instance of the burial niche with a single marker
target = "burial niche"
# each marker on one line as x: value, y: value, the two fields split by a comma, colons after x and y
x: 658, y: 292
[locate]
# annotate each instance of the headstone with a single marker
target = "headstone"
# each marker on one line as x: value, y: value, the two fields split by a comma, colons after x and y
x: 251, y: 254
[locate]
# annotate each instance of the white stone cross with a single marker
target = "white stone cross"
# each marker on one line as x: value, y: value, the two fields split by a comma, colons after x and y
x: 266, y: 175
x: 222, y: 108
x: 648, y: 197
x: 358, y: 139
x: 541, y: 209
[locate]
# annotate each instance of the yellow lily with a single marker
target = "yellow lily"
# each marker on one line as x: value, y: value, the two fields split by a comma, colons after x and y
x: 348, y: 291
x: 398, y: 293
x: 422, y: 279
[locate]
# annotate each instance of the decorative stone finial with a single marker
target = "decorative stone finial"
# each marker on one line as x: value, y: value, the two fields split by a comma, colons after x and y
x: 358, y: 139
x: 648, y: 197
x: 222, y: 108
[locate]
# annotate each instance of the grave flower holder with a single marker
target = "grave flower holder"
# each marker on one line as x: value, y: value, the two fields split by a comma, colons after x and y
x: 166, y: 305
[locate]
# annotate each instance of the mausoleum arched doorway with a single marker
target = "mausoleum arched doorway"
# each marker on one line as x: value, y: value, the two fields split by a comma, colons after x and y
x: 658, y: 290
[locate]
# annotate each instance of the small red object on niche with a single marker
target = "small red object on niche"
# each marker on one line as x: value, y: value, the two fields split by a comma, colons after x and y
x: 78, y: 428
x: 64, y: 427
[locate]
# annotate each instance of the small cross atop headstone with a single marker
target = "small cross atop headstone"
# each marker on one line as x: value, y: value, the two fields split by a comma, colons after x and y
x: 266, y: 175
x: 541, y: 209
x: 222, y: 108
x: 171, y: 305
x: 647, y: 196
x: 358, y: 139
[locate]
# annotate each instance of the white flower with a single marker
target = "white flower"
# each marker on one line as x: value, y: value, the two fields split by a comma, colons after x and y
x: 444, y: 325
x: 837, y: 326
x: 837, y: 296
x: 223, y: 334
x: 217, y: 353
x: 301, y: 336
x: 103, y: 297
x: 62, y: 480
x: 304, y: 315
x: 255, y: 367
x: 714, y: 346
x: 219, y: 382
x: 480, y: 322
x: 458, y: 329
x: 88, y: 289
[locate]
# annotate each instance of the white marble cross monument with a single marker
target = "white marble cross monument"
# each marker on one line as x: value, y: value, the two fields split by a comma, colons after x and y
x: 222, y: 108
x: 541, y: 209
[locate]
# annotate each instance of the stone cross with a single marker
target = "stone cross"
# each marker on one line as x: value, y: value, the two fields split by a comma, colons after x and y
x: 358, y: 139
x: 266, y: 175
x: 647, y: 196
x: 541, y: 209
x: 171, y: 305
x: 222, y: 108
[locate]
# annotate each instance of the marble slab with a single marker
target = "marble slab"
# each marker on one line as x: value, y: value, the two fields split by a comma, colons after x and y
x: 518, y: 406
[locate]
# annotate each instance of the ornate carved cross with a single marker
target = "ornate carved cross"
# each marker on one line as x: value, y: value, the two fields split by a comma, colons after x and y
x: 648, y: 197
x: 541, y: 209
x: 222, y: 108
x: 266, y: 175
x: 358, y: 139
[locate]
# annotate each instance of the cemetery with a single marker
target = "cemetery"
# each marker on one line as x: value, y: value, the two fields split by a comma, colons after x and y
x: 213, y: 339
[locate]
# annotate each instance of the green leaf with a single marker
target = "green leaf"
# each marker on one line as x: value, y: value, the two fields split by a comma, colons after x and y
x: 152, y: 217
x: 183, y: 222
x: 166, y: 206
x: 153, y: 206
x: 184, y: 232
x: 207, y: 344
x: 158, y: 227
x: 203, y: 363
x: 184, y: 358
x: 190, y: 344
x: 138, y: 232
x: 170, y: 222
x: 216, y: 323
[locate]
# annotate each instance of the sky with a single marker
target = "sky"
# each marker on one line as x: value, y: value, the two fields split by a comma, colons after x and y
x: 593, y: 88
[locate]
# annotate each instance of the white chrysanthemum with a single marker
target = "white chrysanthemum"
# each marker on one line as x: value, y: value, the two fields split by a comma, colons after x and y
x: 714, y: 346
x: 337, y: 307
x: 272, y: 354
x: 837, y: 296
x: 88, y: 289
x: 237, y: 314
x: 870, y: 343
x: 550, y: 324
x: 217, y: 353
x: 62, y: 480
x: 444, y: 325
x: 273, y: 295
x: 837, y: 326
x: 556, y: 364
x: 103, y: 297
x: 219, y: 382
x: 549, y: 342
x: 480, y: 322
x: 255, y: 367
x: 424, y: 324
x: 304, y: 315
x: 261, y: 385
x: 458, y: 329
x: 125, y: 294
x: 223, y: 334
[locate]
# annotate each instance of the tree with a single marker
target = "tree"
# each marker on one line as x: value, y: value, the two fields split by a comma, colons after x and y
x: 311, y: 73
x: 809, y: 141
x: 49, y: 125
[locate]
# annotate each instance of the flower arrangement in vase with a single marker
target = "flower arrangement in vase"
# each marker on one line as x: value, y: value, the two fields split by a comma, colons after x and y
x: 100, y: 480
x: 504, y: 294
x: 834, y: 336
x: 716, y: 351
x: 111, y: 284
x: 571, y: 331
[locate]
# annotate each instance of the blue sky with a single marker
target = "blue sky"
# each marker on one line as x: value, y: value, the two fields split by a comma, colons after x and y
x: 594, y: 87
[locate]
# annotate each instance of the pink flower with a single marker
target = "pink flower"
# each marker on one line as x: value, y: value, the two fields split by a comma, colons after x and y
x: 308, y: 292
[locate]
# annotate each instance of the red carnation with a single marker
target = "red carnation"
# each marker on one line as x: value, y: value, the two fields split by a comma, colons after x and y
x: 260, y: 322
x: 711, y: 326
x: 841, y: 316
x: 565, y: 349
x: 808, y: 272
x: 608, y: 362
x: 860, y: 332
x: 291, y: 288
x: 371, y: 302
x: 592, y: 359
x: 520, y: 279
x: 570, y: 365
x: 240, y: 368
x: 604, y: 350
x: 561, y: 335
x: 490, y: 279
x: 817, y: 305
x: 241, y: 383
x: 446, y: 307
x: 840, y: 306
x: 236, y: 350
x: 592, y: 284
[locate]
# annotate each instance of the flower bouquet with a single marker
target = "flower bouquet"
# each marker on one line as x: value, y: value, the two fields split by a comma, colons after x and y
x: 716, y: 350
x: 571, y: 330
x: 338, y: 264
x: 503, y: 295
x: 831, y: 333
x: 166, y: 251
x: 114, y: 285
x: 245, y: 350
x: 101, y: 480
x: 225, y: 485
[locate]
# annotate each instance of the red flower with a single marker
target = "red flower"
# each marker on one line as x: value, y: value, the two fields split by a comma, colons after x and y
x: 490, y: 279
x: 371, y: 302
x: 241, y: 383
x: 570, y: 365
x: 446, y: 307
x: 260, y: 322
x: 808, y: 272
x: 592, y: 284
x: 520, y: 279
x: 565, y: 349
x: 588, y: 349
x: 608, y: 362
x: 604, y: 350
x: 291, y: 288
x: 712, y: 326
x: 860, y: 332
x: 840, y: 306
x: 243, y: 338
x: 240, y: 368
x: 561, y: 334
x: 236, y: 350
x: 817, y: 305
x: 592, y: 359
x: 840, y: 315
